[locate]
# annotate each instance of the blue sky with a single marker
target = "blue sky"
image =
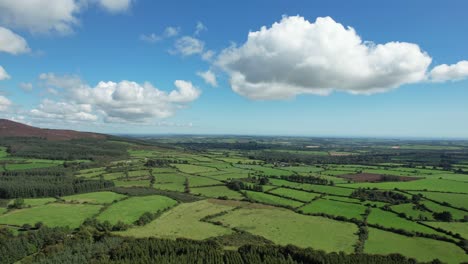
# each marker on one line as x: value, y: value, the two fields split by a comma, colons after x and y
x: 85, y: 67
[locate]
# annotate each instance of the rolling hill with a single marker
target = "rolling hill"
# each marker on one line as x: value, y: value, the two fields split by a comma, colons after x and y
x: 10, y: 128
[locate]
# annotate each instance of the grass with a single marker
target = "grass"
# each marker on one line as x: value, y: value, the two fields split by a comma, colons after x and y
x: 335, y: 208
x: 314, y: 188
x: 409, y: 210
x: 267, y: 171
x: 271, y: 199
x: 455, y: 199
x: 195, y: 181
x: 440, y: 185
x: 391, y: 220
x: 170, y: 181
x: 184, y: 221
x: 53, y: 214
x: 284, y: 227
x: 422, y: 249
x: 132, y: 183
x: 217, y: 191
x: 460, y: 228
x: 3, y: 210
x: 193, y: 169
x: 295, y: 194
x: 129, y: 210
x: 94, y: 197
x: 456, y: 214
x: 35, y: 201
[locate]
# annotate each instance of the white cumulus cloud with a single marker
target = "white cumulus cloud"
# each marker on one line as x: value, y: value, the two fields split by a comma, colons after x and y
x: 56, y: 16
x: 125, y: 101
x: 115, y: 6
x: 200, y: 27
x: 3, y: 74
x: 12, y: 43
x: 295, y: 56
x: 63, y: 111
x: 187, y: 46
x: 5, y: 103
x: 27, y: 87
x: 209, y: 77
x: 454, y: 72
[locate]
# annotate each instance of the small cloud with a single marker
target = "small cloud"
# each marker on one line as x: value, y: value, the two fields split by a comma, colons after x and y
x: 209, y: 77
x: 151, y: 38
x: 170, y: 32
x: 200, y: 27
x: 187, y: 46
x: 454, y: 72
x: 27, y: 87
x: 3, y: 74
x: 5, y: 103
x: 12, y: 43
x: 208, y: 55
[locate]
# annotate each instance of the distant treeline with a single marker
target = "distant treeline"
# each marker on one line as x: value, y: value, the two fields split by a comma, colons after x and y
x: 90, y: 149
x: 46, y: 183
x: 88, y: 246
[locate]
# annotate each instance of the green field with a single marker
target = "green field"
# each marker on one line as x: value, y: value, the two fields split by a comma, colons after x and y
x: 460, y: 228
x: 391, y: 220
x: 183, y: 221
x: 193, y: 169
x: 295, y: 194
x: 54, y: 214
x: 335, y: 208
x: 455, y: 199
x: 95, y: 197
x: 440, y: 185
x: 422, y: 249
x: 410, y: 211
x: 286, y: 227
x: 35, y: 201
x: 272, y: 199
x: 129, y: 210
x: 216, y: 191
x: 313, y: 187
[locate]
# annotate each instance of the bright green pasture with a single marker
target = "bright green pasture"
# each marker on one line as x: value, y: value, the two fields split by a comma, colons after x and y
x: 286, y: 227
x: 303, y: 169
x: 35, y: 201
x: 410, y: 210
x: 456, y: 214
x: 27, y: 166
x: 195, y: 181
x: 460, y: 228
x: 193, y: 169
x: 389, y: 219
x: 3, y: 152
x: 114, y: 175
x: 132, y: 183
x: 313, y: 187
x: 295, y: 194
x: 3, y: 210
x: 170, y: 181
x: 335, y: 208
x: 94, y: 197
x: 271, y: 199
x: 418, y: 185
x: 422, y: 249
x: 138, y: 173
x: 216, y: 191
x: 53, y: 214
x: 265, y: 170
x: 455, y: 199
x: 129, y: 210
x: 184, y: 221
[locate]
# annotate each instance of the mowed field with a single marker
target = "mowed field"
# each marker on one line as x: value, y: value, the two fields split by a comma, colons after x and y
x: 422, y: 249
x: 129, y: 210
x: 183, y: 221
x: 53, y: 214
x: 284, y: 227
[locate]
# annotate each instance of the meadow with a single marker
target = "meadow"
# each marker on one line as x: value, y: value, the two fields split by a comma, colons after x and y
x: 262, y: 194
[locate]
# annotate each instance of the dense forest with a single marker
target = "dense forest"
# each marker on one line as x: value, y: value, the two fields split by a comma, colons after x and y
x: 87, y: 245
x: 77, y: 149
x: 46, y: 183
